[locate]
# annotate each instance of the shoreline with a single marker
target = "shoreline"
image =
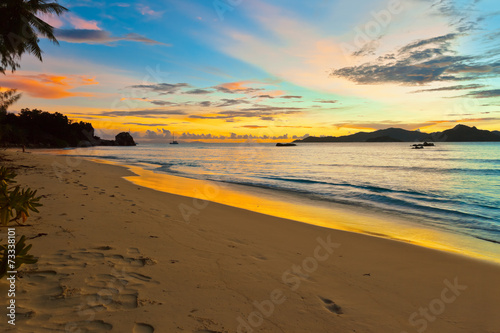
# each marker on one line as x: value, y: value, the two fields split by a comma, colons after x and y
x: 121, y: 257
x: 380, y: 222
x: 284, y: 204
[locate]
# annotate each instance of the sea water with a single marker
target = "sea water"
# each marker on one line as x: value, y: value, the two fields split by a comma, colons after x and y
x: 452, y: 186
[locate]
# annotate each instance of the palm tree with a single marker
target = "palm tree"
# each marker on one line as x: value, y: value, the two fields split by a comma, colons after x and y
x: 7, y: 98
x: 20, y: 29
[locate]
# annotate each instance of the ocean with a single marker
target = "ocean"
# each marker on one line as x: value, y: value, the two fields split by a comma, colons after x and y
x: 452, y: 187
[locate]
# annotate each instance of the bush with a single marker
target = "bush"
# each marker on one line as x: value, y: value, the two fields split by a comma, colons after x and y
x: 21, y: 257
x: 14, y: 199
x: 15, y: 204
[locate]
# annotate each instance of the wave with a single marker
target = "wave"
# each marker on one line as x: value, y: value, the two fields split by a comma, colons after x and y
x: 481, y: 171
x: 468, y: 209
x: 449, y: 218
x: 345, y: 184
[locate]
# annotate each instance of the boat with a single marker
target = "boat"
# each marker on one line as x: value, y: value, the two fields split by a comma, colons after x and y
x: 173, y: 141
x: 422, y: 145
x: 279, y: 144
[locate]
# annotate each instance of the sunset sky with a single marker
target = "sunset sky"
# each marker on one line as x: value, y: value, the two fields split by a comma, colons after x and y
x: 236, y: 69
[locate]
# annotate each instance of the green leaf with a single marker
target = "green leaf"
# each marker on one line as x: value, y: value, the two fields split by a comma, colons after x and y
x: 22, y: 256
x: 15, y: 203
x: 6, y: 176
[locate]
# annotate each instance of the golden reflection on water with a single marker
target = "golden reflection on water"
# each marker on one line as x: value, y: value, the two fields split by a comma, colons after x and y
x: 324, y: 214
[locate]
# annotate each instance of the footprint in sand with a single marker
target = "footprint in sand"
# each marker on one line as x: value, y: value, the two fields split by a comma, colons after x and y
x: 133, y: 250
x: 260, y: 257
x: 139, y: 276
x: 88, y: 326
x: 66, y: 292
x: 39, y: 276
x: 86, y: 255
x: 143, y: 328
x: 104, y: 248
x: 331, y: 306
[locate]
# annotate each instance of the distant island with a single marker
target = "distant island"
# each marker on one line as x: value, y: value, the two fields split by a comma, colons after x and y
x: 460, y: 133
x: 40, y: 129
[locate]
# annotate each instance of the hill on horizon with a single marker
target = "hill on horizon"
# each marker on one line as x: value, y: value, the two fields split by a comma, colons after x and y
x: 459, y: 133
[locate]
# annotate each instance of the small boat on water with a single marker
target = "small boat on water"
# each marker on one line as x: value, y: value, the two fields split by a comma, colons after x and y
x: 173, y: 141
x: 422, y: 145
x: 279, y: 144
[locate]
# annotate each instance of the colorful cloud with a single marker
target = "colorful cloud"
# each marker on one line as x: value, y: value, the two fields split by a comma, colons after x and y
x: 48, y: 86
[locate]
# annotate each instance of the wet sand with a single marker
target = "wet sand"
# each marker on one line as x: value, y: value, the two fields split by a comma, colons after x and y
x: 115, y: 256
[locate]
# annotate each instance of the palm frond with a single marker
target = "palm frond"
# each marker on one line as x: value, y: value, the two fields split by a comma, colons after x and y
x: 51, y: 8
x: 20, y: 28
x: 7, y: 98
x: 44, y: 29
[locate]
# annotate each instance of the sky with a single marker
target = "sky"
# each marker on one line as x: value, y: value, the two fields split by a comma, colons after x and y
x: 235, y: 70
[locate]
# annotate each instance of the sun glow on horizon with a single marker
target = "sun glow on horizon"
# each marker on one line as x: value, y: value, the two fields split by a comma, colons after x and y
x: 267, y: 71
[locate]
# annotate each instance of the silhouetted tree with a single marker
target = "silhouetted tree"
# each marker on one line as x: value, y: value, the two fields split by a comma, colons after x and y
x: 37, y: 127
x: 19, y: 31
x: 20, y: 28
x: 7, y: 98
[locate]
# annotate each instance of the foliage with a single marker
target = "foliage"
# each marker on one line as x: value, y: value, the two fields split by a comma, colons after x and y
x: 7, y: 98
x: 21, y: 256
x: 20, y: 29
x: 17, y: 200
x: 37, y: 127
x: 15, y: 203
x: 6, y: 176
x: 21, y: 201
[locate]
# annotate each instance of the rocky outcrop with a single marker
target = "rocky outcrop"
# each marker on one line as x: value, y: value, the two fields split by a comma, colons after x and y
x: 121, y: 139
x: 124, y: 139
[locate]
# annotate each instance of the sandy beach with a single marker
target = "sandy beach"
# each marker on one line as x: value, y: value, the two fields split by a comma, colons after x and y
x: 114, y: 256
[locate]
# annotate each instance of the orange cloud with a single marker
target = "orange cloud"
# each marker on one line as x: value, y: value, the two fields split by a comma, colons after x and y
x: 48, y: 86
x: 254, y: 126
x: 142, y: 99
x: 240, y: 85
x: 87, y: 80
x: 275, y: 93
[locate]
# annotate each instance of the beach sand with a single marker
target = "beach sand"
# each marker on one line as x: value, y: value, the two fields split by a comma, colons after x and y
x: 117, y: 257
